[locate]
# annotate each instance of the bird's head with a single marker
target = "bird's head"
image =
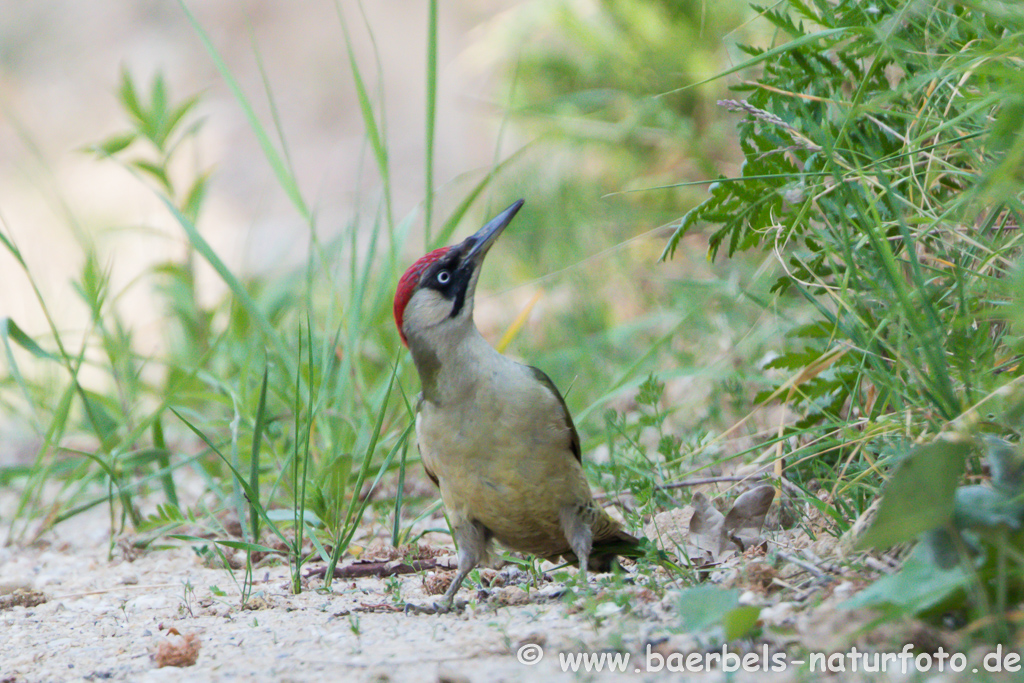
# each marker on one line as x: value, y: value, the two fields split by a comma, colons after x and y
x: 436, y: 293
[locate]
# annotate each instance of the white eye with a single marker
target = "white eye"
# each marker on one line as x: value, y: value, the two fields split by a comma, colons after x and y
x: 444, y: 277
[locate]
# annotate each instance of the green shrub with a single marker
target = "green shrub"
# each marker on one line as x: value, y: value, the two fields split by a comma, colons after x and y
x: 883, y: 147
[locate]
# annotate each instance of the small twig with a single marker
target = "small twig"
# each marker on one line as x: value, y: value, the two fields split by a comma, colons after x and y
x: 878, y: 565
x: 802, y: 563
x: 698, y: 482
x: 790, y: 487
x: 101, y: 591
x: 376, y: 608
x: 784, y: 584
x: 358, y: 570
x: 829, y: 567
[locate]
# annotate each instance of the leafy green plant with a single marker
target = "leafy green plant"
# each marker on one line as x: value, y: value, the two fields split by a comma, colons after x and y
x: 125, y: 461
x: 882, y: 155
x: 231, y: 373
x: 160, y: 128
x: 633, y: 466
x: 869, y: 172
x: 716, y: 610
x: 971, y: 551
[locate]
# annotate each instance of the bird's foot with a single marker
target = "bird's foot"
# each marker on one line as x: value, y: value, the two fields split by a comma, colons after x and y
x: 442, y: 607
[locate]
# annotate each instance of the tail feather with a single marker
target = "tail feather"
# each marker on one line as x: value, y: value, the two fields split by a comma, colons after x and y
x: 623, y: 544
x: 606, y: 550
x: 611, y: 542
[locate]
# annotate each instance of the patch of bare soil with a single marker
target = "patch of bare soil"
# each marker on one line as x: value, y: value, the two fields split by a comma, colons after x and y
x: 70, y: 610
x: 162, y: 617
x: 75, y: 607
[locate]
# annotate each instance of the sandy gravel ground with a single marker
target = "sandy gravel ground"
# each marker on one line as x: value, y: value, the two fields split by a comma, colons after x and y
x: 104, y: 620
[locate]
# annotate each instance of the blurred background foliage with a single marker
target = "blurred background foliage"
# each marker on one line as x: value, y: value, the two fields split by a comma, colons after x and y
x: 876, y: 170
x: 594, y: 87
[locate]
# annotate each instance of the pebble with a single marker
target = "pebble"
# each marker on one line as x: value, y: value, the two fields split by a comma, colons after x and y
x: 146, y: 602
x: 607, y: 609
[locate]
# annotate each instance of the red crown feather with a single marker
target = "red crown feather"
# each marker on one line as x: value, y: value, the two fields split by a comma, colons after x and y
x: 407, y: 285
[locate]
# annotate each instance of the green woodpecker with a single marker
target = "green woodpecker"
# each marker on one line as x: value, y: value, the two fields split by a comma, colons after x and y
x: 494, y: 435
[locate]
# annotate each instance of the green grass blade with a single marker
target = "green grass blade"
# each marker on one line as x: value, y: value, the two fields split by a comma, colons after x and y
x: 428, y: 199
x: 237, y: 476
x: 239, y: 291
x: 347, y: 528
x: 254, y: 460
x: 766, y: 56
x: 449, y: 226
x: 373, y: 131
x: 164, y: 460
x: 399, y: 497
x: 277, y: 164
x: 401, y: 444
x: 227, y: 543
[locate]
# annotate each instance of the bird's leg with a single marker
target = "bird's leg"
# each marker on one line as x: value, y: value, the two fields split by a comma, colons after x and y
x: 472, y: 539
x: 578, y: 533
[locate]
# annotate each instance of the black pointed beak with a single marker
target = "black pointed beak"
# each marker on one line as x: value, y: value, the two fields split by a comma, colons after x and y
x: 481, y: 242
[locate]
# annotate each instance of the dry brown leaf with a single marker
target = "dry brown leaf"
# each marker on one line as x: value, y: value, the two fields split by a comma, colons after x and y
x: 437, y: 583
x: 178, y: 651
x: 707, y: 526
x: 510, y: 595
x: 720, y: 536
x: 745, y: 519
